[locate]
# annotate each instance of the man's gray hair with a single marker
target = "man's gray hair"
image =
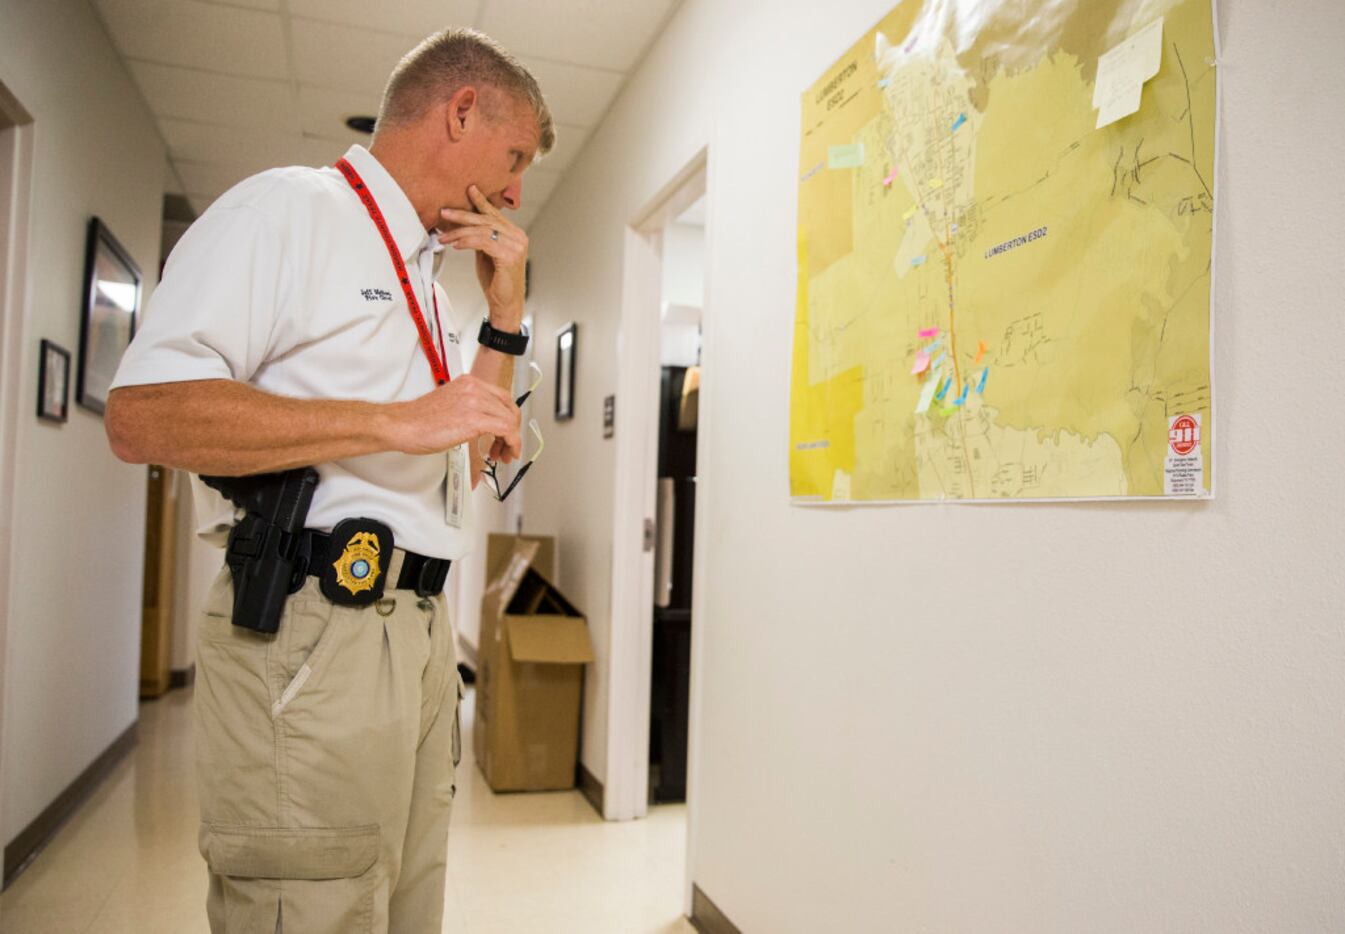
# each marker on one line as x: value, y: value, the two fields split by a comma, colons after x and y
x: 454, y: 58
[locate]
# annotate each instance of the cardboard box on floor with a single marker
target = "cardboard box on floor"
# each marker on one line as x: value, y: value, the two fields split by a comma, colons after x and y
x: 530, y: 670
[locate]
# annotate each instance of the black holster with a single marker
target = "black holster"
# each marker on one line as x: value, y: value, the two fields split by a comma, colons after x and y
x: 265, y: 554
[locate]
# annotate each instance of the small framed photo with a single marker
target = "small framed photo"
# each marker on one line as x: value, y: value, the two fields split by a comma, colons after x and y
x: 111, y: 305
x: 53, y: 383
x: 566, y: 338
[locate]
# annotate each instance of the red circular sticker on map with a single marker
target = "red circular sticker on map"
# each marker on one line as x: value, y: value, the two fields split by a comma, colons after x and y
x: 1184, y: 435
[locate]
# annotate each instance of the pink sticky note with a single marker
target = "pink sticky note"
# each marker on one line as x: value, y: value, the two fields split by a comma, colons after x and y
x: 921, y: 363
x: 929, y: 332
x: 891, y: 177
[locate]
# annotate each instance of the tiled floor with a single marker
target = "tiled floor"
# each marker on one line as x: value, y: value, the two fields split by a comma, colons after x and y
x: 518, y: 864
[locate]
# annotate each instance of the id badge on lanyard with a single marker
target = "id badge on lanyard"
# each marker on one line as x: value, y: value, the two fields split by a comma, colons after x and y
x: 459, y: 482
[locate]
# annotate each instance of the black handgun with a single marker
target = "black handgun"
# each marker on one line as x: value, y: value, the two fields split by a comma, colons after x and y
x: 264, y: 554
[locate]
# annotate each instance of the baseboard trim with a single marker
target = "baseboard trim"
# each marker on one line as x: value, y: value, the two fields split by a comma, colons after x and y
x: 23, y: 849
x: 706, y: 916
x: 590, y: 788
x: 182, y: 677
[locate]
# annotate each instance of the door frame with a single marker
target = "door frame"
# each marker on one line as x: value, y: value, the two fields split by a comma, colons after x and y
x: 626, y: 791
x: 16, y: 188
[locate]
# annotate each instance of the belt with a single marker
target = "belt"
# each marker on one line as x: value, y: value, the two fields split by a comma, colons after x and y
x: 411, y: 571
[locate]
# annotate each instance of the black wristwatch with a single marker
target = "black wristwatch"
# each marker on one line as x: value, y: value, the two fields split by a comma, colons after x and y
x: 503, y: 341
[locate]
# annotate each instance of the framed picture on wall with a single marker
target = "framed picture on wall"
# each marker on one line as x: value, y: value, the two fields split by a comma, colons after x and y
x: 566, y: 338
x: 111, y: 304
x: 53, y: 382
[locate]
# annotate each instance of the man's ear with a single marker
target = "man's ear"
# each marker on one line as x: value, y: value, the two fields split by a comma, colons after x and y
x: 463, y: 109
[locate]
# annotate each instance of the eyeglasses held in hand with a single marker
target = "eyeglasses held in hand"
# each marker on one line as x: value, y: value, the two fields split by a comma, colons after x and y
x: 490, y: 473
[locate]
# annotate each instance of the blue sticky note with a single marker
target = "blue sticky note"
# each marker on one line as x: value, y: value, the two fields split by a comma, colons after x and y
x: 961, y: 119
x: 984, y: 373
x: 930, y: 348
x: 918, y: 261
x: 962, y: 398
x: 943, y: 390
x: 939, y: 360
x: 884, y: 82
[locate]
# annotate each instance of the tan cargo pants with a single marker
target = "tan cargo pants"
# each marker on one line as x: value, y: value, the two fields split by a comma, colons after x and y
x: 326, y: 762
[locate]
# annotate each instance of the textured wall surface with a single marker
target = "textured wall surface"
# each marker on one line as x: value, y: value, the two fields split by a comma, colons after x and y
x: 1094, y: 717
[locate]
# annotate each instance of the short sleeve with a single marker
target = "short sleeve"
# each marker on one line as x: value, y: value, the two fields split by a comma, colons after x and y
x: 214, y: 314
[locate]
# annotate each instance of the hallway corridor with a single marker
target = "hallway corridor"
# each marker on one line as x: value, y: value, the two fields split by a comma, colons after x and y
x: 523, y: 864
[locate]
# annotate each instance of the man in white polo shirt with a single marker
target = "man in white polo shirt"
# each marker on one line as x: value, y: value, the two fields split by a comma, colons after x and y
x: 298, y: 323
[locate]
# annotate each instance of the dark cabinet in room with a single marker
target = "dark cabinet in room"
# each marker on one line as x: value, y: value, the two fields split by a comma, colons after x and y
x: 674, y: 558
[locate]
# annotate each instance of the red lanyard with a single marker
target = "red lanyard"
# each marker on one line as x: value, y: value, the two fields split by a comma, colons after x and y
x: 438, y: 361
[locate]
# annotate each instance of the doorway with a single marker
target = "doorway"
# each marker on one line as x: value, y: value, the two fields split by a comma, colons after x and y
x: 665, y: 299
x: 680, y: 340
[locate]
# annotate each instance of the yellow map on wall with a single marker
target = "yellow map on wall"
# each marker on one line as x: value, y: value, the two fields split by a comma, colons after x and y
x: 997, y: 296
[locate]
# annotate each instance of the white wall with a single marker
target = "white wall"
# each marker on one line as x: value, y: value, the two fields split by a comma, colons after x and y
x: 73, y: 620
x: 1108, y: 717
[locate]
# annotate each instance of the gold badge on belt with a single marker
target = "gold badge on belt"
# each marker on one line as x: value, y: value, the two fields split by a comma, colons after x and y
x: 357, y: 569
x: 357, y: 576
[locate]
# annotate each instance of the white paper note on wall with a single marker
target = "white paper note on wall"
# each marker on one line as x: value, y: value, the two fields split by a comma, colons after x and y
x: 1123, y: 104
x: 1122, y: 71
x: 1133, y: 61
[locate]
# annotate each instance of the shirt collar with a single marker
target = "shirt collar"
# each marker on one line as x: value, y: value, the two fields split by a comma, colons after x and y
x: 400, y: 215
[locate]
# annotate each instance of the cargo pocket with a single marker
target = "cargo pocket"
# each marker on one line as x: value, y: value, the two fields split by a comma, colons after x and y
x: 317, y: 879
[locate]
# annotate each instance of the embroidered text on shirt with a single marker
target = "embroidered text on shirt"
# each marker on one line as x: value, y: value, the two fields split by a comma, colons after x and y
x: 376, y: 295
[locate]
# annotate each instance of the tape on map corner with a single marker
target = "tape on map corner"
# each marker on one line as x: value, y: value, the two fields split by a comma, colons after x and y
x: 850, y: 156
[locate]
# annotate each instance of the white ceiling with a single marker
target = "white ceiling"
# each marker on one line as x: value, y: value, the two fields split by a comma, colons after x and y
x: 245, y: 85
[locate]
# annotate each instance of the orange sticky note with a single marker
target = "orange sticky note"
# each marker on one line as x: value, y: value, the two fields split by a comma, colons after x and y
x: 980, y: 352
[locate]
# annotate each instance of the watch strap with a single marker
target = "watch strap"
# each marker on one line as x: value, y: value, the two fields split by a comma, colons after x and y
x: 503, y: 341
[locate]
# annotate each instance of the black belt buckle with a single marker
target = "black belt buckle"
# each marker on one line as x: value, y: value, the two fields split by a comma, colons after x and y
x: 360, y: 552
